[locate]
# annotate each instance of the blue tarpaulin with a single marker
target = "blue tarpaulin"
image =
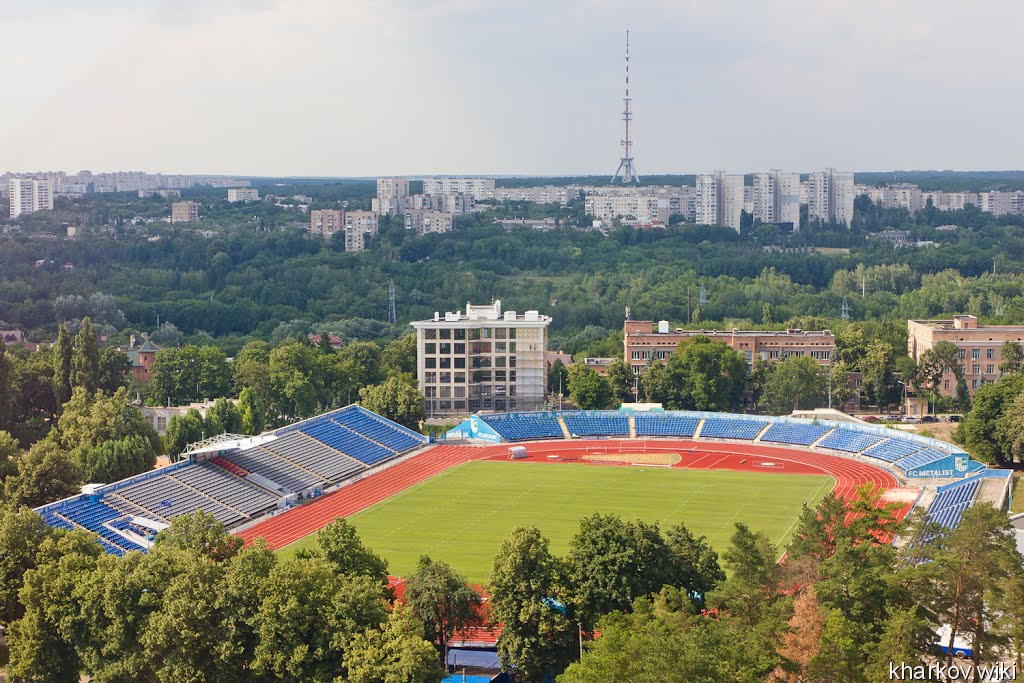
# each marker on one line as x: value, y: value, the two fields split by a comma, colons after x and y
x: 481, y: 659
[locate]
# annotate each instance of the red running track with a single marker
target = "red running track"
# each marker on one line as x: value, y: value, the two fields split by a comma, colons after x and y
x: 290, y: 526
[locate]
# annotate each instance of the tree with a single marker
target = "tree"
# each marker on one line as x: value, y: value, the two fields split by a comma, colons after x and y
x: 801, y: 643
x: 440, y: 597
x: 200, y: 532
x: 399, y: 356
x: 308, y: 616
x: 839, y: 658
x: 226, y: 415
x: 620, y: 378
x: 22, y: 532
x: 767, y: 315
x: 754, y: 578
x: 794, y: 383
x: 1012, y: 354
x: 114, y: 369
x: 62, y: 354
x: 696, y: 567
x: 7, y: 391
x: 706, y: 375
x: 397, y: 398
x: 838, y: 377
x: 879, y: 378
x: 45, y: 474
x: 85, y: 359
x: 558, y: 378
x: 8, y: 450
x: 905, y: 635
x: 933, y: 365
x: 183, y: 430
x: 612, y: 562
x: 394, y: 653
x: 983, y: 431
x: 365, y: 358
x: 537, y: 638
x: 190, y: 373
x: 656, y: 383
x: 251, y: 412
x: 339, y: 545
x: 587, y: 389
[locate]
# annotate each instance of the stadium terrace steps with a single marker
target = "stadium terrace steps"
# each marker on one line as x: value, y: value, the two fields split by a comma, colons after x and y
x: 564, y: 428
x: 666, y: 425
x: 313, y: 456
x: 527, y: 426
x: 950, y: 503
x: 597, y: 423
x: 794, y: 433
x: 731, y: 428
x: 848, y: 440
x: 891, y: 450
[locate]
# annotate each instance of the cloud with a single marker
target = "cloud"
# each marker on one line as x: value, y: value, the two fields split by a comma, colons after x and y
x: 364, y: 87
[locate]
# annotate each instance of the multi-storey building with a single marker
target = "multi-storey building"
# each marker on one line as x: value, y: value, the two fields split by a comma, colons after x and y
x: 392, y: 196
x: 645, y: 343
x: 28, y: 195
x: 424, y: 221
x: 359, y: 227
x: 478, y: 188
x: 459, y: 203
x: 830, y: 195
x: 777, y: 198
x: 184, y: 212
x: 719, y: 199
x: 979, y: 347
x: 640, y: 208
x: 548, y: 194
x: 243, y: 194
x: 483, y: 359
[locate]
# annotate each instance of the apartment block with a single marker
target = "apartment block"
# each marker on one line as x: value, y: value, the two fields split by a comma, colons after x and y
x: 719, y: 199
x: 979, y: 347
x: 830, y: 195
x: 478, y: 188
x: 646, y: 342
x: 777, y: 198
x: 392, y: 196
x: 547, y: 194
x: 28, y: 195
x: 483, y: 359
x: 243, y: 194
x: 638, y: 208
x: 358, y: 226
x: 424, y: 221
x: 184, y: 212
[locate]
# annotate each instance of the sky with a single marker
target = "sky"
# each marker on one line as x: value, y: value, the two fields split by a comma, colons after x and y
x: 530, y: 87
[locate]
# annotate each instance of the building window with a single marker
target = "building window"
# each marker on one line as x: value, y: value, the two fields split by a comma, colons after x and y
x: 430, y: 348
x: 499, y: 361
x: 460, y: 348
x: 430, y: 334
x: 460, y: 363
x: 446, y: 377
x: 430, y: 377
x: 446, y: 362
x: 961, y: 354
x: 460, y: 377
x: 445, y: 348
x: 511, y: 333
x: 990, y: 353
x: 499, y: 347
x: 975, y: 369
x: 974, y: 384
x: 500, y: 332
x: 460, y: 392
x: 444, y: 334
x: 990, y: 368
x: 945, y: 385
x: 446, y: 392
x: 975, y: 354
x: 460, y: 334
x: 430, y: 362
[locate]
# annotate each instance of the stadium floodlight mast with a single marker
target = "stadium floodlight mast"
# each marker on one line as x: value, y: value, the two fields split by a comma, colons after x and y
x: 626, y: 170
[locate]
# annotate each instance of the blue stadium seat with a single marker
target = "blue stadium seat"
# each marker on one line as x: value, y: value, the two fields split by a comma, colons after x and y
x: 525, y: 426
x: 731, y: 428
x: 950, y: 503
x: 665, y: 424
x: 893, y: 448
x: 794, y: 433
x: 921, y: 457
x: 597, y: 423
x: 849, y: 440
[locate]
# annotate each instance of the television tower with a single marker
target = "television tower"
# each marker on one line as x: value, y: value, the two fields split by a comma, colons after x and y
x: 626, y: 169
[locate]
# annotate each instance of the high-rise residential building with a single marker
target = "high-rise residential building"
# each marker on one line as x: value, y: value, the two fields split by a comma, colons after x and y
x: 184, y: 212
x: 325, y: 222
x: 359, y: 227
x: 719, y: 199
x: 392, y: 196
x: 479, y: 188
x: 830, y: 195
x: 639, y: 208
x: 483, y: 359
x: 28, y: 195
x: 777, y: 198
x: 243, y: 194
x: 424, y: 221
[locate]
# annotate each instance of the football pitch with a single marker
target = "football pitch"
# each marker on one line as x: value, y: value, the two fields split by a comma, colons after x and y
x: 462, y: 515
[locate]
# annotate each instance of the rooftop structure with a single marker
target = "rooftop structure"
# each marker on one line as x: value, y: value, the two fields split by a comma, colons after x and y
x: 979, y: 347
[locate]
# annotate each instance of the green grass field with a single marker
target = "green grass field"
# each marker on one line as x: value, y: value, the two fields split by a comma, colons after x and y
x: 461, y: 515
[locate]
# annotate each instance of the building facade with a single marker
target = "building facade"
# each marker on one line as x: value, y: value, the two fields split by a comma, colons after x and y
x: 979, y: 347
x: 482, y: 359
x: 646, y: 342
x: 478, y: 188
x: 325, y: 222
x: 425, y: 221
x: 243, y: 194
x: 719, y: 199
x: 358, y: 226
x: 777, y: 198
x: 184, y: 212
x: 392, y: 196
x: 28, y: 195
x: 830, y: 195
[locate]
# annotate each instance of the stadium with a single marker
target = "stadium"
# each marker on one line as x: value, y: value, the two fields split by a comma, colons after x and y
x: 456, y: 498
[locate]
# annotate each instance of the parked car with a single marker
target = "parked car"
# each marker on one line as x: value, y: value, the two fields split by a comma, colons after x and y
x: 929, y: 418
x: 911, y: 420
x: 954, y: 418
